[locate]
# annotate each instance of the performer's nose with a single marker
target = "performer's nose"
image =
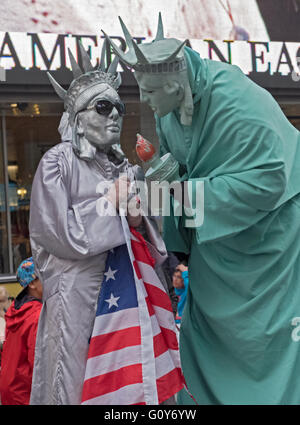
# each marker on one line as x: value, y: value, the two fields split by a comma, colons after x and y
x: 114, y: 113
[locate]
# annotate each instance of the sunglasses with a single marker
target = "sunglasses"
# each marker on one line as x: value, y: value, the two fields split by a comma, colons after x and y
x: 104, y: 107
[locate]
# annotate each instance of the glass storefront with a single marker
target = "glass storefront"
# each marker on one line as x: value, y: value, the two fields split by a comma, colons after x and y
x: 292, y: 112
x: 4, y: 195
x: 28, y: 138
x: 29, y: 131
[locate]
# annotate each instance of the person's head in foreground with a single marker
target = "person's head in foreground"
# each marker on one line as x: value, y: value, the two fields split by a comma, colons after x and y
x: 28, y: 279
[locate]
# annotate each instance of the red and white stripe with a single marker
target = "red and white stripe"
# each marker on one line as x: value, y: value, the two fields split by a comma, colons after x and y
x: 169, y: 379
x: 134, y: 360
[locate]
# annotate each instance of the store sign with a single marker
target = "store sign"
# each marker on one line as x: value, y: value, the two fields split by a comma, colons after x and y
x: 274, y: 62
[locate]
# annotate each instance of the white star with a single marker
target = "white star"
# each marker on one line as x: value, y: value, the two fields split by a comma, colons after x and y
x: 112, y: 300
x: 110, y: 274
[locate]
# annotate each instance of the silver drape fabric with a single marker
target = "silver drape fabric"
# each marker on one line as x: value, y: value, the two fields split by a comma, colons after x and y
x: 81, y: 145
x: 64, y: 128
x: 69, y: 244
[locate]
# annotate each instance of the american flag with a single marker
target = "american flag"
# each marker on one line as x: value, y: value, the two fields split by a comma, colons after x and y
x: 133, y: 355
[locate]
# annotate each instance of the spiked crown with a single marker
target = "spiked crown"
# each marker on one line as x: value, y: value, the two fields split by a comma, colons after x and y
x: 86, y: 83
x: 152, y: 57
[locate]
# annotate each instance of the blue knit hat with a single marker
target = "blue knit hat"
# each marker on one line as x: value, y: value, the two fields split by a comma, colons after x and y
x: 26, y: 272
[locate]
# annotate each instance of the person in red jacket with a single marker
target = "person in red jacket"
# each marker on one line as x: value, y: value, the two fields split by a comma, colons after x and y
x: 20, y: 334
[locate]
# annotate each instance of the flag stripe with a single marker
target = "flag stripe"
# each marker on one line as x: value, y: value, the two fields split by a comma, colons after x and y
x: 150, y: 307
x: 122, y: 319
x: 157, y: 297
x: 165, y: 340
x: 137, y: 270
x: 173, y: 380
x: 149, y: 275
x: 133, y: 238
x: 106, y: 343
x: 156, y: 329
x: 131, y: 394
x: 140, y: 255
x: 112, y: 361
x: 164, y: 318
x: 98, y: 385
x: 131, y: 359
x: 155, y: 326
x: 165, y: 363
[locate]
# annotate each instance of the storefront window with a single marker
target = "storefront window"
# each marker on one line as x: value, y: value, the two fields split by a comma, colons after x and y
x: 4, y: 256
x: 31, y: 129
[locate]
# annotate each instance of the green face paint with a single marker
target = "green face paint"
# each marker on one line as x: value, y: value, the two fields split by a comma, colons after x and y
x: 161, y: 94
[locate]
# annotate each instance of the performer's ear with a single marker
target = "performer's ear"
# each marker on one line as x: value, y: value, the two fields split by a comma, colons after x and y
x: 174, y: 87
x: 180, y: 92
x: 171, y: 87
x: 80, y: 128
x: 82, y: 147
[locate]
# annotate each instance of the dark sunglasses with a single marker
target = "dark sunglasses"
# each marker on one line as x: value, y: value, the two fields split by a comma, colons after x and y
x: 104, y: 107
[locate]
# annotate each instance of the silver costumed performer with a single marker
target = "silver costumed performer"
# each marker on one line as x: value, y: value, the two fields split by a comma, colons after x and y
x: 69, y: 238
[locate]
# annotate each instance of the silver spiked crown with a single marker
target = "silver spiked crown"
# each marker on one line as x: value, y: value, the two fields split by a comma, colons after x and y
x: 86, y: 83
x: 154, y: 57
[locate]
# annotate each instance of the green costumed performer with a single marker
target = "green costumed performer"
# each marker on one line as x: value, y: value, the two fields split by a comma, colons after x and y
x: 238, y: 338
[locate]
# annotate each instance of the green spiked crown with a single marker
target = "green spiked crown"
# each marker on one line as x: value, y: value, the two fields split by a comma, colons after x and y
x: 162, y: 55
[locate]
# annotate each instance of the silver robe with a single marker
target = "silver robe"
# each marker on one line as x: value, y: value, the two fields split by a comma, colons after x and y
x: 69, y: 242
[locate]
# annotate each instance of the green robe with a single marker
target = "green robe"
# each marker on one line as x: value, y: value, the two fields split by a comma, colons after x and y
x: 236, y: 341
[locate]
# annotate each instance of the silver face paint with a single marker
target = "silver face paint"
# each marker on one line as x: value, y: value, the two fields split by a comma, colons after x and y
x: 100, y: 130
x: 88, y: 129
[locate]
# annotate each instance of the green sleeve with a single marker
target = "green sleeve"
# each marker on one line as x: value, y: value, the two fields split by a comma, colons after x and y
x: 235, y: 201
x: 163, y: 149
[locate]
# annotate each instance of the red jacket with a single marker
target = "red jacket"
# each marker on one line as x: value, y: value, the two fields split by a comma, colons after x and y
x: 18, y: 351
